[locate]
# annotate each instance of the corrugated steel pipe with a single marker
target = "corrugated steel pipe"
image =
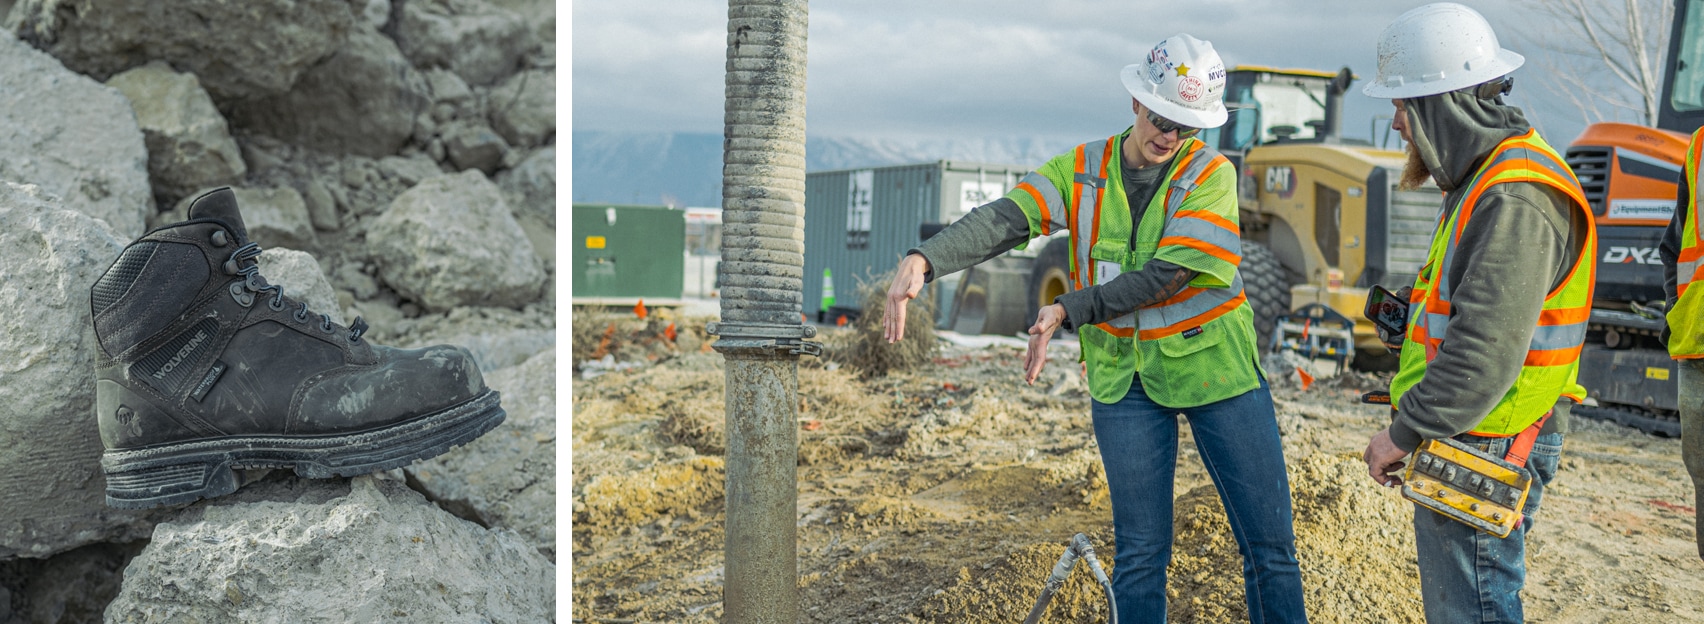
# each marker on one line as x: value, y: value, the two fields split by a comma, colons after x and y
x: 761, y: 333
x: 1080, y: 548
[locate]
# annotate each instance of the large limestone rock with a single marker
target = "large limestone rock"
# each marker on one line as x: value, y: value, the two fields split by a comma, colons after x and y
x: 189, y: 143
x: 303, y: 280
x: 523, y: 108
x: 479, y: 42
x: 52, y: 493
x: 506, y: 478
x: 366, y: 550
x: 474, y: 146
x: 240, y: 50
x: 75, y: 138
x: 450, y: 241
x: 530, y: 188
x: 362, y: 100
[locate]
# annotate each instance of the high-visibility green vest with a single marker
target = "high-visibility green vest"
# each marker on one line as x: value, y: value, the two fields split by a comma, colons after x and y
x: 1686, y: 320
x: 1551, y: 368
x: 1197, y: 347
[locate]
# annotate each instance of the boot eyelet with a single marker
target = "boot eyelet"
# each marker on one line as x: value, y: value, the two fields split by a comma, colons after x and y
x: 220, y: 239
x: 242, y: 297
x: 301, y: 318
x: 326, y: 325
x: 275, y: 304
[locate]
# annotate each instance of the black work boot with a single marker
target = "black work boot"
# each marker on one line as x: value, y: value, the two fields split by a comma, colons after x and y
x: 205, y: 368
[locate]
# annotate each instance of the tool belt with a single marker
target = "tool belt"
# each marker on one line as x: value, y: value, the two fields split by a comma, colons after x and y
x: 1471, y: 486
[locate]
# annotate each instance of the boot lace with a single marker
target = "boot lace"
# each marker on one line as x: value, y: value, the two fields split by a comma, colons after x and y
x: 245, y: 263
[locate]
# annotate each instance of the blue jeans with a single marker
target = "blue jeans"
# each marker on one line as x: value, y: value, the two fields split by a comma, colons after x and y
x: 1238, y: 441
x: 1470, y: 577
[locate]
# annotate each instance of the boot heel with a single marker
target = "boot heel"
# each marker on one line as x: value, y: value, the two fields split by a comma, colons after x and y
x: 169, y: 484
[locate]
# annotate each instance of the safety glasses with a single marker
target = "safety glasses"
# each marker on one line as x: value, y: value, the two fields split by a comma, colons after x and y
x: 1166, y: 125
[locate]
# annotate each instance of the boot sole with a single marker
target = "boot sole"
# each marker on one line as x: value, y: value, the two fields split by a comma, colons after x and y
x: 182, y: 473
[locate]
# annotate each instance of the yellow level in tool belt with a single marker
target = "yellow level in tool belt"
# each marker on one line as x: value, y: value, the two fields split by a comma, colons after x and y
x: 1468, y: 485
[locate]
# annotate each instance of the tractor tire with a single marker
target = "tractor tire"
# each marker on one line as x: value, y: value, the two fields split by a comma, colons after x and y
x: 1049, y: 277
x: 1267, y: 286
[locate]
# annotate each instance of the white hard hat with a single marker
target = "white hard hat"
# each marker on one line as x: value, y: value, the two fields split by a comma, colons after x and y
x: 1438, y: 48
x: 1182, y: 80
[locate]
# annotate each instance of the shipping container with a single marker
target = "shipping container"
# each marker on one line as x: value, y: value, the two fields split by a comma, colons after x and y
x: 628, y: 252
x: 860, y: 222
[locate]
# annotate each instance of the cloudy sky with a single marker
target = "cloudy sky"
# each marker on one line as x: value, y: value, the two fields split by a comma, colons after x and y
x: 990, y: 68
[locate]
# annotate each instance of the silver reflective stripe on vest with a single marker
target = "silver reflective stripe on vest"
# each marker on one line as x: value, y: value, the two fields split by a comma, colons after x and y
x: 1155, y: 317
x: 1055, y: 203
x: 1184, y: 181
x: 1088, y: 198
x: 1436, y: 325
x: 1204, y: 231
x: 1552, y: 337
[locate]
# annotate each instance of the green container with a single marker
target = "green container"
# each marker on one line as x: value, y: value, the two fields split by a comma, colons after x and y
x: 628, y: 252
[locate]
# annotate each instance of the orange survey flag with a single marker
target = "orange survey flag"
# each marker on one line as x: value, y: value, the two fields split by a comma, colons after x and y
x: 639, y: 310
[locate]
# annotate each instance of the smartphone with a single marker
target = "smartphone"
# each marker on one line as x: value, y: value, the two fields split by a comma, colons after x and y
x: 1388, y: 313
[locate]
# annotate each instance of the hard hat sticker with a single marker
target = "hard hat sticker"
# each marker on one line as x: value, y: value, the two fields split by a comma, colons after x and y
x: 1189, y: 88
x: 1182, y: 70
x: 1158, y: 63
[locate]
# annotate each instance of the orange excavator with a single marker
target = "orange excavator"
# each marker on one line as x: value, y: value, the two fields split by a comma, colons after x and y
x: 1630, y: 174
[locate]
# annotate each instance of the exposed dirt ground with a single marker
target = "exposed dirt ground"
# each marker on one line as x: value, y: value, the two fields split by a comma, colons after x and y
x: 947, y: 494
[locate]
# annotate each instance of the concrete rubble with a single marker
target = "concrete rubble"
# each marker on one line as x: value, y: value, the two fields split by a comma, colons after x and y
x: 189, y: 143
x: 363, y: 550
x: 73, y: 137
x: 451, y: 241
x: 52, y: 496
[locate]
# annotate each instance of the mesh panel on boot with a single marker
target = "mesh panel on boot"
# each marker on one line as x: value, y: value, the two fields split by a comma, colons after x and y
x: 123, y: 273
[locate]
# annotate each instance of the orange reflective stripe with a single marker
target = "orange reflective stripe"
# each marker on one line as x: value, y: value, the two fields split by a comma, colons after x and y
x: 1209, y: 217
x: 1181, y: 296
x: 1565, y: 316
x: 1554, y: 357
x: 1046, y: 215
x: 1203, y: 247
x: 1196, y: 321
x: 1211, y: 167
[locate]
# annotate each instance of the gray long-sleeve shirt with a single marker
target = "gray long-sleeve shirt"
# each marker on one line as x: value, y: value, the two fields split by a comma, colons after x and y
x: 1521, y: 242
x: 998, y: 226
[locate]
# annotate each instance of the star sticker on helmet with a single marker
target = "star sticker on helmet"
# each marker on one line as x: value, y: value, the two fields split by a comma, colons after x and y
x: 1182, y: 70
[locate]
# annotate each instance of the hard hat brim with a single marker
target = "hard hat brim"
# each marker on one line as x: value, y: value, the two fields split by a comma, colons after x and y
x: 1136, y: 81
x: 1504, y: 62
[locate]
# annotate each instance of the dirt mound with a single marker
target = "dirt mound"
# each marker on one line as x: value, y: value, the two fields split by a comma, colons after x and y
x: 867, y: 351
x: 1353, y: 541
x: 639, y: 498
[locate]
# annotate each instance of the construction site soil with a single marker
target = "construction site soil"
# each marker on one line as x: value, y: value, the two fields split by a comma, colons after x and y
x: 946, y: 493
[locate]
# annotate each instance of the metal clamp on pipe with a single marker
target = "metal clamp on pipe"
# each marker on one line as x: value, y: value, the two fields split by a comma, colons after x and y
x: 765, y: 337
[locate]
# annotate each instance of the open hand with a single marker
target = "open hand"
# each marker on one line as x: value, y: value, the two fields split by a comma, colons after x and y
x: 907, y: 282
x: 1047, y: 320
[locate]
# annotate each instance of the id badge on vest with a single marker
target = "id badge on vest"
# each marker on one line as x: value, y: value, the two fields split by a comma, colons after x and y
x: 1106, y: 270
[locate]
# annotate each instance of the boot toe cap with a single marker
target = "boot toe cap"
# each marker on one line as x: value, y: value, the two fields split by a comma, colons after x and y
x: 404, y: 384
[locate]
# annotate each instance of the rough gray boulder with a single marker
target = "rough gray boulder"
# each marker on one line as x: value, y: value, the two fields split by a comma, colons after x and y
x: 52, y: 493
x: 479, y: 42
x: 365, y: 550
x: 450, y: 241
x: 239, y: 50
x: 274, y: 217
x: 507, y: 478
x: 362, y: 100
x: 303, y: 280
x: 189, y: 143
x: 523, y: 108
x: 75, y: 138
x: 530, y: 188
x: 474, y: 146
